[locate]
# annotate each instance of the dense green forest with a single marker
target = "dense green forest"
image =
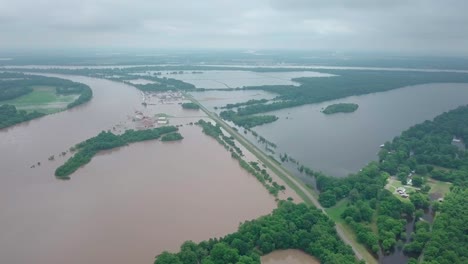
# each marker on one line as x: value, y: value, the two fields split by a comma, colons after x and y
x: 190, y: 106
x: 424, y: 151
x: 449, y: 238
x: 104, y: 141
x: 346, y: 83
x: 340, y: 108
x: 9, y: 115
x: 290, y: 226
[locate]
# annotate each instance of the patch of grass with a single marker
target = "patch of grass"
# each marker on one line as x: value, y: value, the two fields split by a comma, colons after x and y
x: 393, y: 184
x: 439, y: 187
x: 43, y: 99
x: 335, y: 211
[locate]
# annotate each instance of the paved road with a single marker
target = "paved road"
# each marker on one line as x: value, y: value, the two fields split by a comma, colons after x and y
x: 278, y: 169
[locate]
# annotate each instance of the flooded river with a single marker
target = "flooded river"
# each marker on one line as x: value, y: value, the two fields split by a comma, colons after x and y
x: 340, y: 144
x: 127, y: 205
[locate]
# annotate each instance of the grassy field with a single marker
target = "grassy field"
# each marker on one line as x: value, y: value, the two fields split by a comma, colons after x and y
x: 336, y: 211
x: 43, y: 99
x: 393, y: 184
x: 439, y: 187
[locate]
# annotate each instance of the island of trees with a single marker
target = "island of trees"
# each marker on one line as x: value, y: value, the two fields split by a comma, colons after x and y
x: 340, y: 108
x: 14, y: 85
x: 190, y: 105
x: 290, y: 226
x: 107, y: 140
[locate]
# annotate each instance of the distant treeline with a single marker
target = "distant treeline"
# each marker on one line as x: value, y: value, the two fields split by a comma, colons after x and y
x: 247, y: 121
x: 163, y: 84
x: 290, y: 226
x: 107, y: 140
x: 249, y: 102
x: 346, y: 83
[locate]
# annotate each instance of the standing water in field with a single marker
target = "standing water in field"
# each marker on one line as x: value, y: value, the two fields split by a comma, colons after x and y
x: 128, y: 204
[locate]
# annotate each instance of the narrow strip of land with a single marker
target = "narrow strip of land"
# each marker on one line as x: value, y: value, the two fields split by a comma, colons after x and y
x: 303, y: 191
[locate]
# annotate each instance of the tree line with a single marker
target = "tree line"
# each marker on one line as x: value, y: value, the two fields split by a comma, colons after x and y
x: 9, y: 115
x: 86, y: 150
x: 290, y: 226
x: 190, y: 106
x: 251, y: 167
x: 345, y: 83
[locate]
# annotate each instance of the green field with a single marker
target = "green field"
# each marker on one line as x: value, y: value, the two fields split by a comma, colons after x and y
x: 439, y: 187
x: 43, y: 99
x: 393, y: 184
x: 335, y: 212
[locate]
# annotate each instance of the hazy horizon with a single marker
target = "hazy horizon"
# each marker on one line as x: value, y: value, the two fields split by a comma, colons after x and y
x: 421, y: 27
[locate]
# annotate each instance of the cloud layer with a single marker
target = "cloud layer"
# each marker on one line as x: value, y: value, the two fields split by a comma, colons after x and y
x: 422, y: 26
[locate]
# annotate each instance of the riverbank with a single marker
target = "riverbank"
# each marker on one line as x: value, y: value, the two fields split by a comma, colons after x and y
x: 306, y: 194
x: 24, y: 97
x: 111, y: 211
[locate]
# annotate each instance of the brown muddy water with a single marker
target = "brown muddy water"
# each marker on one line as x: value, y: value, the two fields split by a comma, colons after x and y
x: 290, y: 256
x: 127, y: 205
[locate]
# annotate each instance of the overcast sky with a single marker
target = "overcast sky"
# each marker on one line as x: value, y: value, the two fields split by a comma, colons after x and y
x: 424, y: 26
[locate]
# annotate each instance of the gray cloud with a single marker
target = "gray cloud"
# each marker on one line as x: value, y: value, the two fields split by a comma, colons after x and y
x: 423, y: 26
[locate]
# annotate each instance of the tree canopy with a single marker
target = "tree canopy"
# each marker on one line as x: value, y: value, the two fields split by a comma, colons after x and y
x: 290, y: 226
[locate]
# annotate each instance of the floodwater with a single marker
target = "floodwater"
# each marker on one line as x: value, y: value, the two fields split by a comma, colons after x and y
x: 140, y: 81
x: 212, y: 99
x: 340, y: 144
x: 240, y: 67
x: 289, y: 256
x: 236, y: 79
x: 127, y: 205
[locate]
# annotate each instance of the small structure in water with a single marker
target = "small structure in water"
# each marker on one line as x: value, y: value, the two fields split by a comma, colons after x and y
x: 162, y: 120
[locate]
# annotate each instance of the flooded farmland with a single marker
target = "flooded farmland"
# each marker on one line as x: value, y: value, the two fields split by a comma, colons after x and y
x: 127, y: 205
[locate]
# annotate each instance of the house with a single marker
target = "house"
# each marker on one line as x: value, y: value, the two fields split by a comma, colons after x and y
x: 401, y: 190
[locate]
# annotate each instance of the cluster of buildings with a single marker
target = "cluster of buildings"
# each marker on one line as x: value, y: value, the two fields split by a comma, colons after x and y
x: 143, y: 121
x: 162, y: 97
